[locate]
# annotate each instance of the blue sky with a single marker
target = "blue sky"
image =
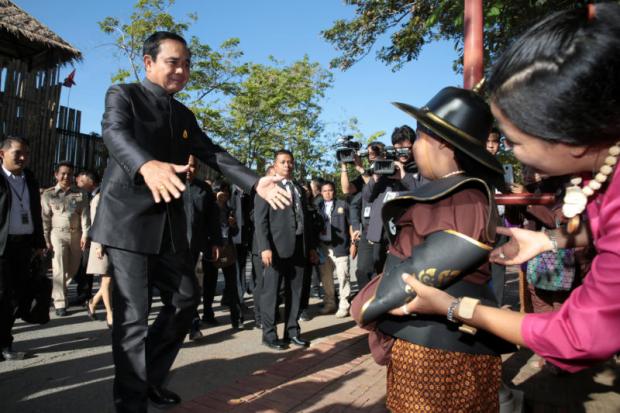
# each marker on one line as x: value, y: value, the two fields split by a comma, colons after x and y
x: 284, y: 29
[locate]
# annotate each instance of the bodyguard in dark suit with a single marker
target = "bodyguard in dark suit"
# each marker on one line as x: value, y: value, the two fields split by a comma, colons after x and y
x: 203, y: 226
x: 203, y: 221
x: 149, y: 136
x: 257, y: 263
x: 241, y: 204
x: 286, y: 246
x: 21, y: 232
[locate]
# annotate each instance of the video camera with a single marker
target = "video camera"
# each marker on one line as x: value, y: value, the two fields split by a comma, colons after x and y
x: 346, y: 148
x: 386, y: 166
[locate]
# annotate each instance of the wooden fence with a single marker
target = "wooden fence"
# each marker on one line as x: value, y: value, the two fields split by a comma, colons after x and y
x: 29, y: 109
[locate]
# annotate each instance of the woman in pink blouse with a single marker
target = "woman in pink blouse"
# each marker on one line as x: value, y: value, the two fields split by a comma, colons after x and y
x: 556, y: 96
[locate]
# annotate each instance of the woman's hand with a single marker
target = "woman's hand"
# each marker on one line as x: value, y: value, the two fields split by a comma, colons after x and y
x: 522, y: 246
x: 428, y: 300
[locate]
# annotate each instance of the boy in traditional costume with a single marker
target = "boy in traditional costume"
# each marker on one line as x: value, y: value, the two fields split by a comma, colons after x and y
x: 442, y: 233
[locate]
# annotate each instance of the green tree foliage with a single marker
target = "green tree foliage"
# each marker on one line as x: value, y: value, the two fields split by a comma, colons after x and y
x: 275, y: 107
x: 215, y: 76
x: 148, y: 16
x: 412, y: 24
x: 250, y: 109
x: 214, y: 73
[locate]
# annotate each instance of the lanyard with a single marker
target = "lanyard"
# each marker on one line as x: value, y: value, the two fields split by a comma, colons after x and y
x: 20, y: 197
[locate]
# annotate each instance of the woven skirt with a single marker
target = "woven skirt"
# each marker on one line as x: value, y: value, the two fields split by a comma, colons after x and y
x: 422, y: 379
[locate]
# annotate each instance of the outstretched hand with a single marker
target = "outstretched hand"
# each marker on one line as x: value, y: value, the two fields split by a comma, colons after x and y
x: 276, y: 196
x: 522, y: 246
x: 162, y: 179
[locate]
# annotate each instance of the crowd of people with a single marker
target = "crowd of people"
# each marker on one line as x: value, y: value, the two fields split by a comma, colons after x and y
x: 427, y: 239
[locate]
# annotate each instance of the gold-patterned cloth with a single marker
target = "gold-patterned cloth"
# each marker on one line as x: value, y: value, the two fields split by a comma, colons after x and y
x: 422, y: 379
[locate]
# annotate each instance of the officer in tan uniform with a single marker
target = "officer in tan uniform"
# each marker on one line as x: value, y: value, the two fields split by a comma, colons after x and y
x: 66, y: 221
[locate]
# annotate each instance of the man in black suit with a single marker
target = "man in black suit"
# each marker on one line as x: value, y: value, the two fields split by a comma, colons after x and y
x: 203, y: 226
x: 149, y: 136
x: 21, y: 233
x: 257, y: 263
x: 286, y: 245
x: 241, y: 205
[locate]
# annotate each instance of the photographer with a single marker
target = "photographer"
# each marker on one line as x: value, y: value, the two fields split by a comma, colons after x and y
x: 373, y: 151
x: 380, y: 188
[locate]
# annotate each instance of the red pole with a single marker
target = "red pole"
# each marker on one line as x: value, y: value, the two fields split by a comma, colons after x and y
x: 473, y: 55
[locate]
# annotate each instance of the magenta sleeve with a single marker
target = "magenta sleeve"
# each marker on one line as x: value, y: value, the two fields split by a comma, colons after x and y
x: 586, y: 329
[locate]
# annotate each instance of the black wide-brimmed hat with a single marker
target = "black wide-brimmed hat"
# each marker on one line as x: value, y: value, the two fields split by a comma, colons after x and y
x: 462, y: 118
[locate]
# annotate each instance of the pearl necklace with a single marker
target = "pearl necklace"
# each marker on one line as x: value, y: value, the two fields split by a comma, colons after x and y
x: 460, y: 171
x: 576, y: 197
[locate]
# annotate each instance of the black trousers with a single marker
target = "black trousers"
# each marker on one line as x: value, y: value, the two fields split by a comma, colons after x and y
x: 305, y: 290
x: 14, y: 275
x: 242, y: 256
x: 257, y: 273
x: 84, y: 282
x: 209, y: 285
x: 143, y: 355
x: 370, y: 260
x: 291, y: 270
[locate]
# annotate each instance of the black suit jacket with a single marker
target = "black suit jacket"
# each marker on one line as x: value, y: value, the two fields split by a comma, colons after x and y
x: 6, y: 199
x: 275, y: 229
x: 340, y: 219
x: 142, y: 122
x: 203, y: 218
x: 241, y: 204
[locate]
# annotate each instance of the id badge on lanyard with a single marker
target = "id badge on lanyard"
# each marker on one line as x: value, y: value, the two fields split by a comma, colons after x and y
x: 367, y: 212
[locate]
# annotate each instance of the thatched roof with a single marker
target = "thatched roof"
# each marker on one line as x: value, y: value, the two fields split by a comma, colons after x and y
x: 24, y: 38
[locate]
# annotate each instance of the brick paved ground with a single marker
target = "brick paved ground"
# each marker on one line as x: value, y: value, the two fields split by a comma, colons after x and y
x: 335, y: 375
x: 71, y: 371
x: 338, y: 375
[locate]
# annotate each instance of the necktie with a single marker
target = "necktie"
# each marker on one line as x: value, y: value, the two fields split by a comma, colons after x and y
x: 297, y: 209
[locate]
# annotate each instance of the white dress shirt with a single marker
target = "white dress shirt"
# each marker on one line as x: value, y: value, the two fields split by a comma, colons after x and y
x: 20, y: 217
x: 326, y: 235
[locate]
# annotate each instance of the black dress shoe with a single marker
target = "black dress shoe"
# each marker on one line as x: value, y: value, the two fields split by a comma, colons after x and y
x: 275, y: 344
x: 61, y: 312
x: 237, y: 324
x: 298, y: 341
x: 11, y: 355
x: 209, y: 320
x: 163, y: 397
x: 258, y: 325
x: 305, y: 316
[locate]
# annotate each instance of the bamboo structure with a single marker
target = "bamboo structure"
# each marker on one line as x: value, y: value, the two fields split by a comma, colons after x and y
x: 30, y: 58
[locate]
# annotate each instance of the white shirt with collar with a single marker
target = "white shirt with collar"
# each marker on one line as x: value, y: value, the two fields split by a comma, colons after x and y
x: 19, y: 207
x: 328, y: 208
